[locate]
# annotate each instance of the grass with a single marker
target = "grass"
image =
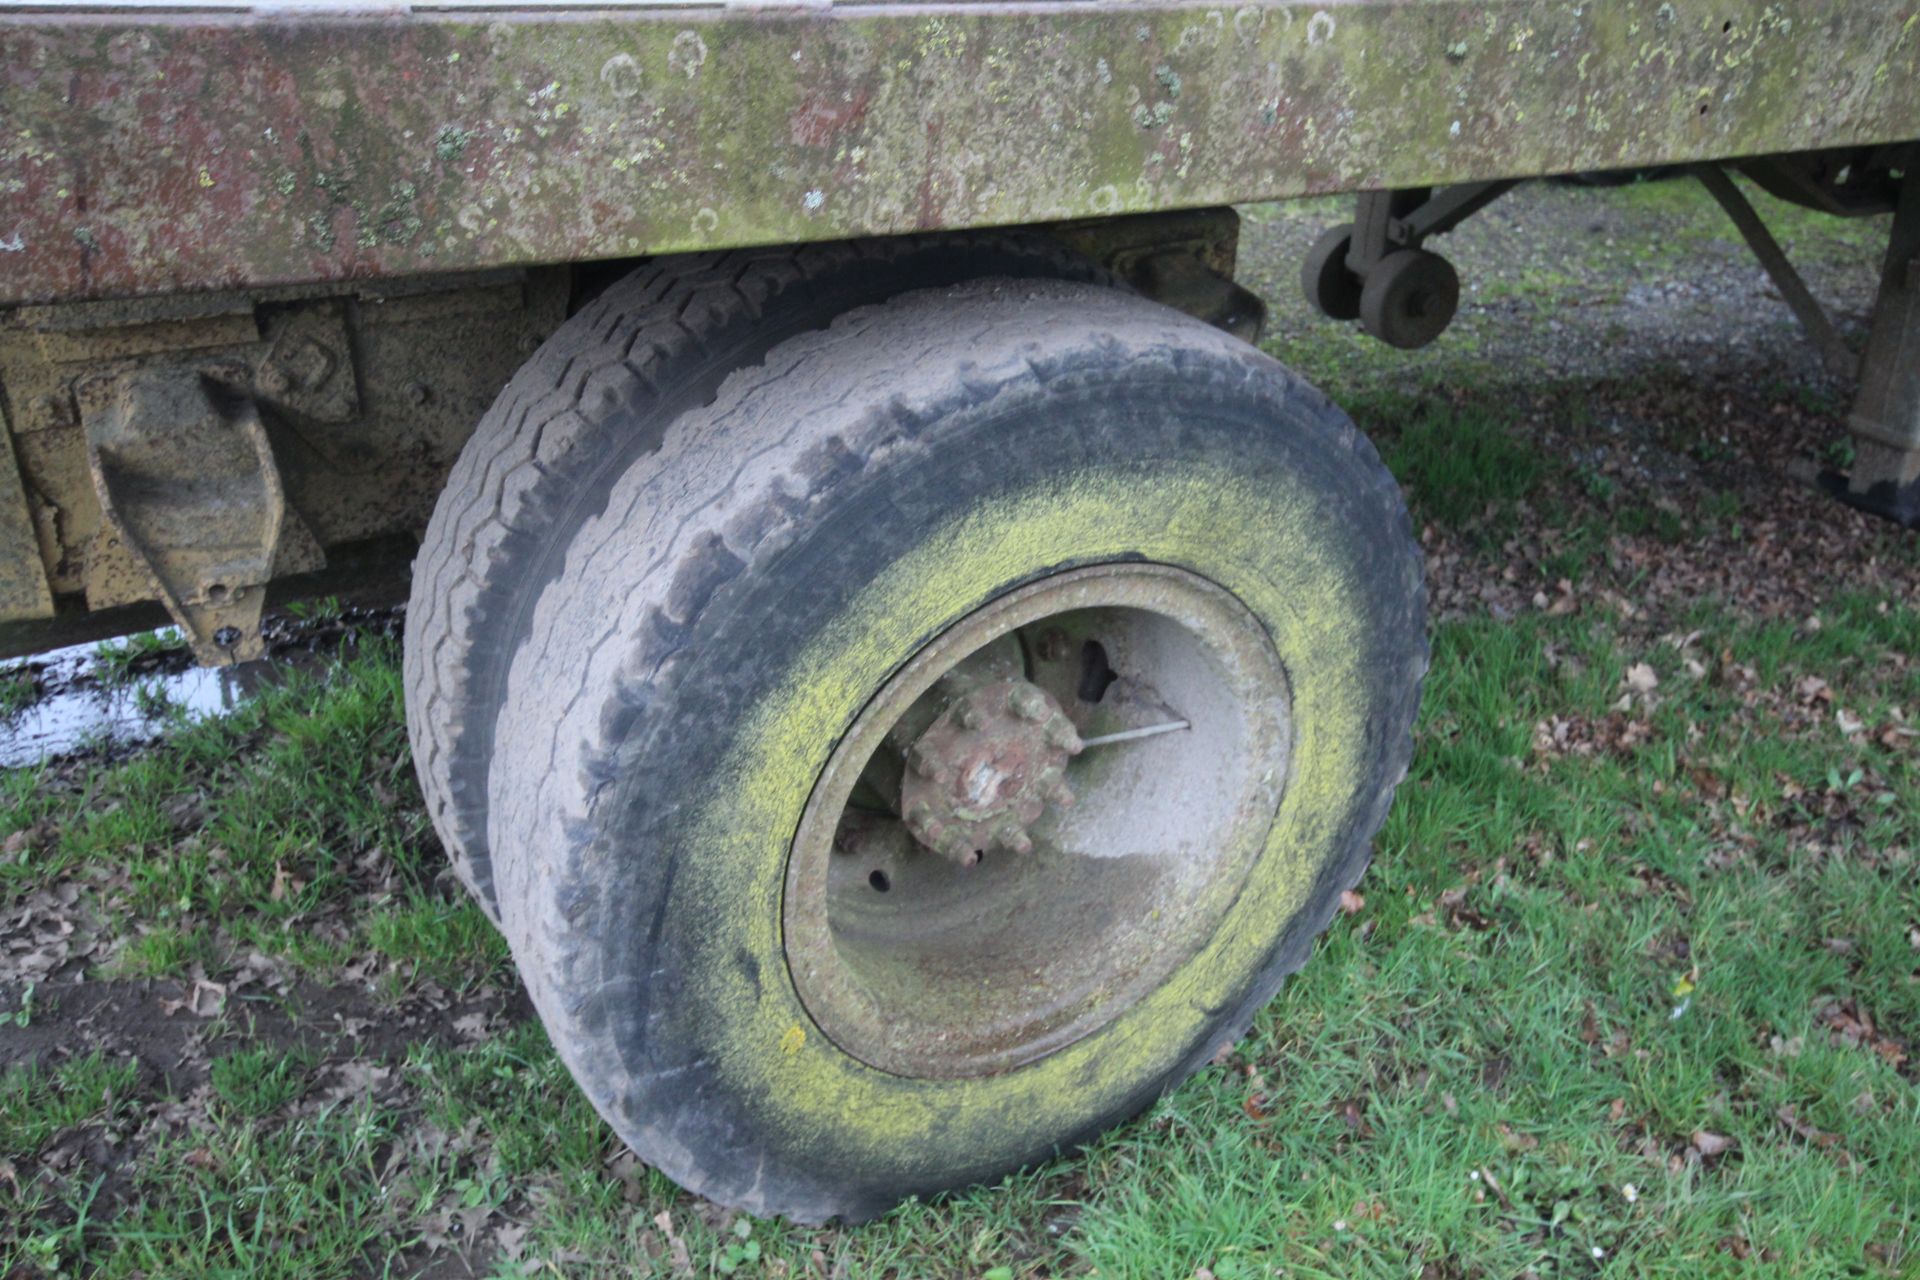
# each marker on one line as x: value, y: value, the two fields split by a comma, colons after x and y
x: 1462, y: 467
x: 35, y: 1103
x: 119, y: 662
x: 19, y: 690
x: 258, y: 1082
x: 1469, y: 1077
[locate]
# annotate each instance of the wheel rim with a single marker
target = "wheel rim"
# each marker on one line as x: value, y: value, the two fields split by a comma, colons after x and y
x: 1036, y: 820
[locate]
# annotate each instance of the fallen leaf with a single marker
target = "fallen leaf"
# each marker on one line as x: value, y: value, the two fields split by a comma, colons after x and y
x: 1710, y: 1144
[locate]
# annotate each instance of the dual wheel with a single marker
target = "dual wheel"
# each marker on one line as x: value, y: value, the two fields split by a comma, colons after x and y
x: 1406, y: 299
x: 906, y: 704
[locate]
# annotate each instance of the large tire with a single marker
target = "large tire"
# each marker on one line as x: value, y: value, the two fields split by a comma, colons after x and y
x: 756, y: 578
x: 595, y: 397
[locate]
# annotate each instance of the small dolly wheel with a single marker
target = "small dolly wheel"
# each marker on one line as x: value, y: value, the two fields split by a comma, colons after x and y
x: 1409, y: 298
x: 1324, y: 276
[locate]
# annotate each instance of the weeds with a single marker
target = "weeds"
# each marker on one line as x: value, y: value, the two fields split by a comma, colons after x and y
x: 121, y: 662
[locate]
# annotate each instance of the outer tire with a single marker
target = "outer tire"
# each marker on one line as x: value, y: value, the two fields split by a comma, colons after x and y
x: 596, y: 396
x: 759, y: 575
x: 1410, y: 298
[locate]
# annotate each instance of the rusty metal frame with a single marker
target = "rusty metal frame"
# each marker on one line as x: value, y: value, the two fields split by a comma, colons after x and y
x: 148, y: 152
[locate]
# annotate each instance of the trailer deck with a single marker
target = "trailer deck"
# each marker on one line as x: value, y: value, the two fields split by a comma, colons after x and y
x: 154, y: 150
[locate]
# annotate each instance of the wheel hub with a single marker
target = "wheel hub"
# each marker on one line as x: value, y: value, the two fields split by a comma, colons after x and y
x: 1036, y: 820
x: 984, y: 772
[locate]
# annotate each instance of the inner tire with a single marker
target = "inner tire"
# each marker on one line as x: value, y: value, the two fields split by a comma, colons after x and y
x: 759, y: 580
x: 595, y: 397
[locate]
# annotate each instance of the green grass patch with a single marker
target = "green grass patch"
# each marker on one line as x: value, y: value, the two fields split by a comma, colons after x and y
x: 36, y: 1103
x: 1462, y: 466
x: 1632, y: 991
x: 247, y: 821
x: 452, y: 943
x: 19, y: 690
x: 119, y: 662
x: 258, y: 1082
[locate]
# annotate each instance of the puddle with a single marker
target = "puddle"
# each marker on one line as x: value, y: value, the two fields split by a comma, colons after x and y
x: 122, y: 693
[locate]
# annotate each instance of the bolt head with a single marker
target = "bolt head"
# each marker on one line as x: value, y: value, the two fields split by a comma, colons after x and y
x: 1018, y: 841
x: 971, y: 717
x: 274, y: 380
x: 1062, y: 795
x: 1028, y: 703
x: 1061, y: 734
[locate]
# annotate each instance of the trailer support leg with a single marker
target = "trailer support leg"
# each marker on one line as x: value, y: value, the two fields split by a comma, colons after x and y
x: 1886, y: 413
x: 1826, y: 339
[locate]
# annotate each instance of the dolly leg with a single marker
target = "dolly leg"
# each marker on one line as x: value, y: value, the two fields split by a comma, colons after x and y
x: 1886, y: 415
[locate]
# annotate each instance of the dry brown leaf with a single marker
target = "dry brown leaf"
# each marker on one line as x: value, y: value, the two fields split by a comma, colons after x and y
x: 1710, y: 1144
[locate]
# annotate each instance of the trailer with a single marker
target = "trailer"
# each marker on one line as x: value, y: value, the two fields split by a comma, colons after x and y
x: 907, y: 675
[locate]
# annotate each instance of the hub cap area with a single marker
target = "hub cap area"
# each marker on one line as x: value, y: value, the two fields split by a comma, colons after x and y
x: 984, y: 772
x: 1036, y: 820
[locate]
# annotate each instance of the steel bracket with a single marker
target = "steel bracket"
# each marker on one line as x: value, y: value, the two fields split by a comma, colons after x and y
x: 187, y: 484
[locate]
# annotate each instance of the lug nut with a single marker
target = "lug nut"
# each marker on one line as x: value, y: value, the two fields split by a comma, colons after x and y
x: 961, y: 850
x: 928, y: 766
x: 1017, y: 840
x: 1028, y: 703
x: 1061, y: 795
x: 930, y: 832
x: 971, y: 717
x: 1061, y: 734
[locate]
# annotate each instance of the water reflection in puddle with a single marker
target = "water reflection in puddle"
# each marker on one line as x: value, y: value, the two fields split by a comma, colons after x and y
x: 90, y: 698
x: 85, y: 704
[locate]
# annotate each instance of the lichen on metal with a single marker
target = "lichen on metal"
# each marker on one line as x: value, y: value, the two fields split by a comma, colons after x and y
x: 149, y: 152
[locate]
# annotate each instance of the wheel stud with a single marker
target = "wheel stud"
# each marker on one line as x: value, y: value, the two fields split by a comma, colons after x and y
x: 971, y: 717
x: 1028, y: 703
x: 1017, y: 840
x: 1061, y: 795
x: 1061, y: 734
